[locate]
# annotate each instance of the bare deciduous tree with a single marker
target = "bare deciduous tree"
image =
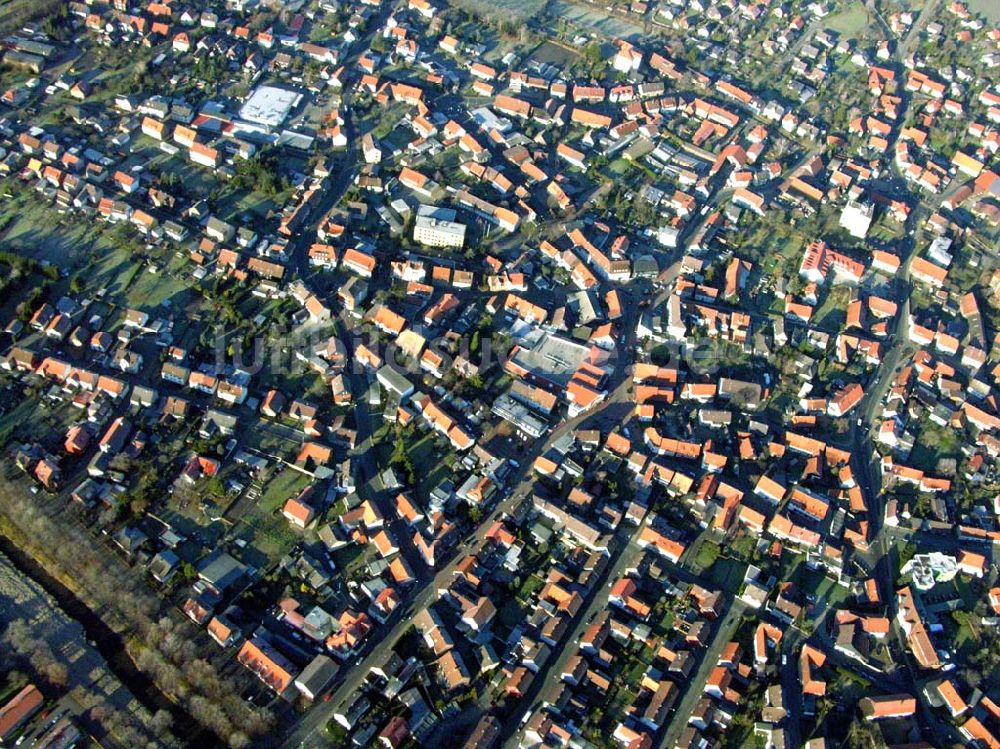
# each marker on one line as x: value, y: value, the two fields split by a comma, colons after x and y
x: 159, y: 644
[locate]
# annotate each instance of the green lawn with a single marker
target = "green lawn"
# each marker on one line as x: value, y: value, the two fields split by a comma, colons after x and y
x: 988, y: 8
x: 511, y: 614
x: 666, y: 622
x: 153, y: 289
x: 776, y: 251
x: 233, y: 203
x: 430, y: 476
x: 531, y: 585
x: 422, y: 452
x: 291, y: 377
x: 727, y: 574
x: 934, y: 443
x: 107, y: 271
x: 850, y: 22
x: 849, y: 687
x: 619, y: 167
x: 827, y: 592
x: 38, y: 231
x: 349, y: 557
x: 263, y: 527
x: 268, y: 537
x: 555, y: 54
x: 743, y: 547
x: 284, y: 485
x: 832, y: 312
x: 15, y: 420
x: 634, y: 674
x: 708, y: 552
x: 590, y: 17
x: 966, y: 638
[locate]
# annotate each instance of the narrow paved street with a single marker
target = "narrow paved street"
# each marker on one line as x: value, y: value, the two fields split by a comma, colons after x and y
x: 306, y: 734
x: 695, y: 687
x: 547, y: 676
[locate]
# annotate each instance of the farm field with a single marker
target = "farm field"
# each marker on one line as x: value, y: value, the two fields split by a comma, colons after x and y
x: 522, y: 9
x: 597, y: 20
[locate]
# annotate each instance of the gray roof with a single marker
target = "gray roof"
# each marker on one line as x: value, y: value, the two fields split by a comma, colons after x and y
x: 163, y: 563
x: 317, y: 675
x: 220, y: 570
x: 394, y: 381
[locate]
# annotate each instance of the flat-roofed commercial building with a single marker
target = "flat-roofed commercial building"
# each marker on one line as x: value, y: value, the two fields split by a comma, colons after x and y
x: 269, y: 105
x: 436, y: 227
x: 518, y: 414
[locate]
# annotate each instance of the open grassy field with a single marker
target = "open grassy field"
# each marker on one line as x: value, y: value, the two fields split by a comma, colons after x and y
x: 233, y: 204
x: 594, y: 19
x: 989, y: 8
x: 268, y: 537
x: 38, y: 231
x: 167, y: 285
x: 508, y: 9
x: 263, y: 527
x: 286, y: 484
x: 851, y: 21
x: 107, y: 270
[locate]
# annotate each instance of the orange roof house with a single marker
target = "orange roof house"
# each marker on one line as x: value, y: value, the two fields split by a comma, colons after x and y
x: 590, y: 119
x: 769, y: 489
x: 359, y: 262
x: 315, y: 452
x: 353, y: 630
x: 298, y: 512
x: 952, y: 699
x: 845, y: 400
x: 384, y: 543
x: 912, y: 624
x: 810, y: 661
x: 406, y: 510
x: 267, y: 664
x: 19, y: 709
x: 650, y: 537
x: 748, y: 199
x: 887, y: 706
x: 77, y: 440
x: 927, y: 272
x: 718, y: 681
x: 407, y: 94
x: 388, y: 321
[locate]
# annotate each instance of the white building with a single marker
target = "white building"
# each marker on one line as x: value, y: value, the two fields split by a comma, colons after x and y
x: 436, y: 227
x: 628, y: 59
x: 856, y: 218
x: 269, y: 106
x: 931, y: 568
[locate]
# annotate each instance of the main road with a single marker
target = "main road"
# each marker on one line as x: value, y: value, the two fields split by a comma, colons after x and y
x: 308, y: 732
